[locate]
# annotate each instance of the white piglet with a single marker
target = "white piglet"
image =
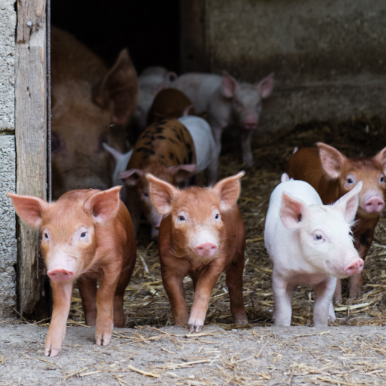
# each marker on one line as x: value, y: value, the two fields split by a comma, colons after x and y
x: 309, y: 243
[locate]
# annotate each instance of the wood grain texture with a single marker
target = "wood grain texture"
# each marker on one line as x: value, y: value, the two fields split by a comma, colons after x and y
x: 31, y: 145
x: 31, y: 17
x: 193, y: 32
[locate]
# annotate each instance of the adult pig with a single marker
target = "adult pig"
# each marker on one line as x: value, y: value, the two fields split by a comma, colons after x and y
x: 332, y: 175
x: 170, y: 103
x: 201, y: 235
x: 165, y: 149
x: 90, y: 105
x: 86, y: 235
x: 228, y: 102
x: 309, y: 243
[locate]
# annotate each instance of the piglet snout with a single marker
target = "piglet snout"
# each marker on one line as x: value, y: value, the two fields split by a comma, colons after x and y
x: 250, y: 125
x: 374, y: 204
x: 354, y: 267
x: 60, y: 274
x: 206, y: 249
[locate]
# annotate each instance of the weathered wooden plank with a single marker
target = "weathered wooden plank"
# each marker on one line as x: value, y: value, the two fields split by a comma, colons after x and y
x: 30, y: 18
x: 193, y: 32
x: 31, y: 145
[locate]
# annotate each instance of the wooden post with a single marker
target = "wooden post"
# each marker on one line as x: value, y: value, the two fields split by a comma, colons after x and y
x: 31, y: 150
x: 193, y: 31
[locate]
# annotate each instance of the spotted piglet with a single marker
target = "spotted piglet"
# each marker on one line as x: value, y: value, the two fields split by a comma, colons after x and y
x: 201, y: 235
x: 172, y: 151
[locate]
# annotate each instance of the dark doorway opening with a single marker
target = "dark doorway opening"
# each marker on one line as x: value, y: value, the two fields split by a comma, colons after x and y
x: 150, y: 29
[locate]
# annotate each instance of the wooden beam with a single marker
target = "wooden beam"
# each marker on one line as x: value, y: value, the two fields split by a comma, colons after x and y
x: 193, y: 31
x: 31, y: 150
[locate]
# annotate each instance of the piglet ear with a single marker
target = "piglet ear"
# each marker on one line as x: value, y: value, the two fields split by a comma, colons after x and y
x: 229, y: 191
x: 118, y: 90
x: 381, y: 158
x: 131, y: 176
x: 29, y: 208
x: 182, y: 172
x: 284, y: 177
x: 265, y: 86
x: 161, y: 194
x: 348, y: 204
x: 104, y: 205
x: 229, y: 85
x: 331, y: 159
x: 115, y: 153
x: 292, y: 212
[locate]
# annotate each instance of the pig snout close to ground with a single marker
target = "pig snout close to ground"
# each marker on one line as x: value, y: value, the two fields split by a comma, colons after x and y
x: 309, y: 243
x: 228, y: 103
x: 332, y: 175
x: 166, y: 150
x: 90, y: 105
x: 169, y: 103
x: 151, y: 81
x: 202, y: 234
x: 86, y: 235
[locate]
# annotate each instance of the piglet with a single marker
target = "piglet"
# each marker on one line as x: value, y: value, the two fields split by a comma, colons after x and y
x: 202, y: 235
x: 309, y: 243
x: 228, y: 102
x: 86, y: 235
x: 332, y: 174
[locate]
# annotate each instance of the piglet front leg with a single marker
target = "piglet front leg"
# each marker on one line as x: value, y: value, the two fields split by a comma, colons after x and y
x: 246, y: 136
x: 204, y: 287
x: 105, y: 306
x: 324, y: 292
x: 61, y: 293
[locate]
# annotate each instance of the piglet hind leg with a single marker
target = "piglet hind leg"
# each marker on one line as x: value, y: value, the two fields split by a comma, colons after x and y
x: 88, y: 290
x: 355, y: 283
x: 61, y: 293
x: 234, y: 280
x: 282, y: 291
x: 105, y: 306
x: 204, y: 286
x: 324, y: 292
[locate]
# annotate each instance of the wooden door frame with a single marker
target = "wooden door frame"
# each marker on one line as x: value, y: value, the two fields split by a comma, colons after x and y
x: 32, y: 131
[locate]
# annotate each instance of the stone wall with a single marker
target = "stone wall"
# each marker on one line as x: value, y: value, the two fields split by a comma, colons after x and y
x: 328, y: 56
x: 8, y: 248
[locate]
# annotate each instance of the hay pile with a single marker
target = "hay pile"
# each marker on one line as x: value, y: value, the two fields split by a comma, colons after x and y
x: 146, y: 302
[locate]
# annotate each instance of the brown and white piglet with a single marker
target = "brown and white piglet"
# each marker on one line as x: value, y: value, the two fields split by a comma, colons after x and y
x: 333, y: 175
x: 86, y: 235
x: 202, y: 234
x: 166, y: 150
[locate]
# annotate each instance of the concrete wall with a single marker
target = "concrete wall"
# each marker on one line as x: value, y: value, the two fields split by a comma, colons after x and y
x: 8, y: 249
x: 328, y: 55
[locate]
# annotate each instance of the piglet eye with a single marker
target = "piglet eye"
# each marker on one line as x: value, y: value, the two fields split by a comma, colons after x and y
x: 349, y: 180
x: 83, y: 235
x: 318, y: 237
x: 216, y: 216
x: 382, y: 179
x: 146, y: 194
x: 181, y: 218
x: 45, y: 235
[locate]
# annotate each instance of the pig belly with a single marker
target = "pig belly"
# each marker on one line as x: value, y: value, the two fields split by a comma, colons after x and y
x: 203, y: 140
x: 198, y: 88
x: 306, y: 278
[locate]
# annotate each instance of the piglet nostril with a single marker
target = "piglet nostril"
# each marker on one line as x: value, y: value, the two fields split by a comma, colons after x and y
x: 355, y: 267
x: 375, y: 204
x: 206, y: 249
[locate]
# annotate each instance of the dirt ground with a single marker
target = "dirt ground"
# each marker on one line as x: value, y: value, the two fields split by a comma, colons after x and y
x: 351, y: 351
x: 171, y: 356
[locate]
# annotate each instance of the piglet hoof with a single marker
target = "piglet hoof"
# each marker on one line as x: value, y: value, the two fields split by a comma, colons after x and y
x: 355, y: 292
x: 194, y: 328
x: 103, y: 339
x: 241, y: 323
x: 53, y: 346
x: 249, y: 163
